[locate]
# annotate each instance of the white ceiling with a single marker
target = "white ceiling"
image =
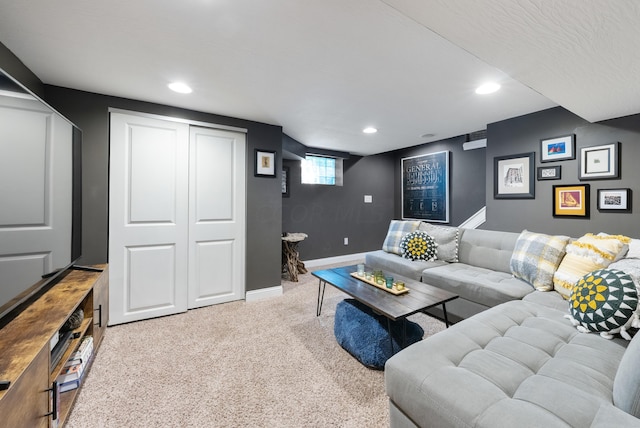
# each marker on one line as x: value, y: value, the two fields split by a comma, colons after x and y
x: 326, y: 69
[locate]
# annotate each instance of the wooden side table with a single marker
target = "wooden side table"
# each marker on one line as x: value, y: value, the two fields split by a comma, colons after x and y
x: 291, y: 263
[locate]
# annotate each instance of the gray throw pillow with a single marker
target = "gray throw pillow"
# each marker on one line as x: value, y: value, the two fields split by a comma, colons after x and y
x: 447, y: 239
x: 626, y: 385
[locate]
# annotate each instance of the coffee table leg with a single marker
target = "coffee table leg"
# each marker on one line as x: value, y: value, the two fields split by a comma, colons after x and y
x: 390, y: 336
x: 444, y: 311
x: 323, y: 285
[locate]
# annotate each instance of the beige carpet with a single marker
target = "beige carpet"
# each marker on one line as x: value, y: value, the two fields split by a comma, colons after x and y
x: 270, y: 363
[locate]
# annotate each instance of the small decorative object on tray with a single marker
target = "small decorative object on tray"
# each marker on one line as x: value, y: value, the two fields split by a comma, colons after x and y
x: 378, y: 280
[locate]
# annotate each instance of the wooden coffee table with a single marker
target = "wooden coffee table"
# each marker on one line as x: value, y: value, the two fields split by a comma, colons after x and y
x: 420, y: 297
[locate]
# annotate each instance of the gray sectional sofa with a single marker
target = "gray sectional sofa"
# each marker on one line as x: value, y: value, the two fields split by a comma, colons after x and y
x: 481, y: 277
x: 514, y: 359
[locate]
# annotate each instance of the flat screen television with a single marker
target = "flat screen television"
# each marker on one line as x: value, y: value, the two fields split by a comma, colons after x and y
x: 40, y: 197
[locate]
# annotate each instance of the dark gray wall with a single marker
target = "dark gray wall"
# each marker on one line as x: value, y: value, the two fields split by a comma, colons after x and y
x: 264, y: 208
x: 466, y: 174
x: 12, y: 65
x: 523, y: 134
x: 328, y: 214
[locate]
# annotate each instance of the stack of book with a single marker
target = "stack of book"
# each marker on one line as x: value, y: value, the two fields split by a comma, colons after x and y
x: 74, y: 369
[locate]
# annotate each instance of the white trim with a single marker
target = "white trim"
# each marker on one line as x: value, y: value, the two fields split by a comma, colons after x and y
x: 475, y: 220
x: 263, y: 293
x: 179, y: 120
x: 476, y: 144
x: 331, y: 260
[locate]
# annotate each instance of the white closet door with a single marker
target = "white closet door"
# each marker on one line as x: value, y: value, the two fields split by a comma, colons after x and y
x: 216, y: 216
x: 148, y: 217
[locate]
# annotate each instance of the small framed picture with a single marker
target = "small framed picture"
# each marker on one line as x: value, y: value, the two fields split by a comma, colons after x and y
x: 513, y: 176
x: 549, y: 172
x: 571, y: 200
x: 265, y: 163
x: 614, y: 200
x: 558, y: 148
x: 285, y: 181
x: 599, y: 162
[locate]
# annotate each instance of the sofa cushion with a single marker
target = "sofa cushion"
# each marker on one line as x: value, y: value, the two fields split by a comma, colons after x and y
x: 536, y: 257
x: 446, y: 237
x: 604, y: 301
x: 397, y: 230
x: 586, y: 254
x: 626, y: 385
x: 518, y: 364
x: 479, y: 285
x: 388, y: 262
x: 418, y: 245
x: 550, y: 299
x: 488, y: 249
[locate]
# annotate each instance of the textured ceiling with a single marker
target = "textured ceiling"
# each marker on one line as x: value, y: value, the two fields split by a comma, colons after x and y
x: 324, y: 70
x: 581, y: 54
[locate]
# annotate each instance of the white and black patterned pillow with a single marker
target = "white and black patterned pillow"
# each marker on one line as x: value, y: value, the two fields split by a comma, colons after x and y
x: 418, y: 245
x: 605, y: 301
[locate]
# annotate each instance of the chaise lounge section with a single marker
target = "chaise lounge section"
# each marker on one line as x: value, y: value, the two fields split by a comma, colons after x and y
x: 516, y: 358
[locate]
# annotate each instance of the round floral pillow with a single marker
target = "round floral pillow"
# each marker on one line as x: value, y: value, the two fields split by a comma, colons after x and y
x: 418, y: 245
x: 605, y: 301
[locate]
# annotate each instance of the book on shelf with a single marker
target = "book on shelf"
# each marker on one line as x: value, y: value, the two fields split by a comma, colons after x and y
x: 74, y: 369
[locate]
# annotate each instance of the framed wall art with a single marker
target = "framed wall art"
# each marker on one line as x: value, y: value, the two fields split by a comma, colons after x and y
x: 513, y: 176
x: 558, y: 148
x: 265, y: 163
x: 599, y: 162
x: 425, y: 187
x: 549, y: 172
x: 285, y: 181
x: 571, y: 200
x: 614, y: 200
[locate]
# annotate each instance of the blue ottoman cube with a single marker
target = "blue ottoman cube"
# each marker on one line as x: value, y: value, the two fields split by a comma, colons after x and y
x: 364, y: 335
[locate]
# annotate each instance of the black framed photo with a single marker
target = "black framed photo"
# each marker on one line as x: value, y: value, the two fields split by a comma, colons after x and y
x: 265, y: 163
x: 558, y: 148
x: 549, y: 172
x: 285, y: 181
x: 599, y: 162
x: 571, y: 200
x: 513, y: 176
x: 614, y: 200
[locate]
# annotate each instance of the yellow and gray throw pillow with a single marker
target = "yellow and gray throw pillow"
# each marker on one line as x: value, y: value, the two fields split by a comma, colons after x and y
x: 418, y: 245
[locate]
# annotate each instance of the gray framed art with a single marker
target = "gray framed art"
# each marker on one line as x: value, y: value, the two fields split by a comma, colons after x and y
x: 425, y: 187
x: 514, y: 176
x: 599, y: 162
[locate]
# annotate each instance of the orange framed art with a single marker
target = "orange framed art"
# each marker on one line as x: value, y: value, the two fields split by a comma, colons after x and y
x: 571, y: 200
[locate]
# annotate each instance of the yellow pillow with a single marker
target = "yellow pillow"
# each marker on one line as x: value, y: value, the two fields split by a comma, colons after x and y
x: 589, y: 253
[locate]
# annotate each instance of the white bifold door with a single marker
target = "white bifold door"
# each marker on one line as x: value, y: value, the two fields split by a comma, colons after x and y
x: 176, y: 216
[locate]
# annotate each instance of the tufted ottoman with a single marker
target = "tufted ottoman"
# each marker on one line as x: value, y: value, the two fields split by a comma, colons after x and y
x: 517, y: 364
x: 364, y: 334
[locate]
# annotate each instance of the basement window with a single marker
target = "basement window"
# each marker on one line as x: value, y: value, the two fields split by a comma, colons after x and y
x: 321, y: 170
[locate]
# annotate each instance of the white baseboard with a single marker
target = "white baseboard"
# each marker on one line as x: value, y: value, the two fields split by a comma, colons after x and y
x: 263, y: 293
x: 476, y: 220
x: 331, y: 260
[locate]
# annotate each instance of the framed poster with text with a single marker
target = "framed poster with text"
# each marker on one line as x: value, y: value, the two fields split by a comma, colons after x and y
x: 425, y: 187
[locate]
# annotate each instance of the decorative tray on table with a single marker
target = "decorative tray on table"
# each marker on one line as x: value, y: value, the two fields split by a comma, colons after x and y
x: 373, y: 282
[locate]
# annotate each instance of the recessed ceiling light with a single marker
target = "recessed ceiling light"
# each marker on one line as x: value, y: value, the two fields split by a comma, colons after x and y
x: 181, y: 88
x: 487, y: 88
x: 428, y: 135
x: 370, y: 130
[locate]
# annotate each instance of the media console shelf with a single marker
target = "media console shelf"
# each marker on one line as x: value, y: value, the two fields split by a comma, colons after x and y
x: 25, y: 348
